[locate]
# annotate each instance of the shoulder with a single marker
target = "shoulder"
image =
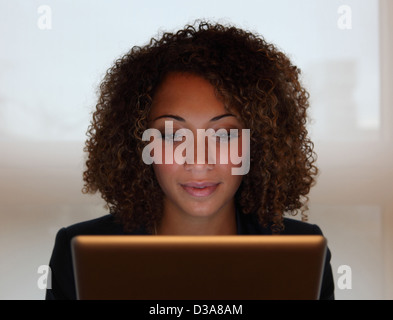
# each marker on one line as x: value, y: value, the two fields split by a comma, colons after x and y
x: 103, y: 225
x: 99, y: 226
x: 248, y: 224
x: 296, y: 227
x: 61, y: 259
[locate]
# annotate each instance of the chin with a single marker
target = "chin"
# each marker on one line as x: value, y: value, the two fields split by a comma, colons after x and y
x: 202, y: 211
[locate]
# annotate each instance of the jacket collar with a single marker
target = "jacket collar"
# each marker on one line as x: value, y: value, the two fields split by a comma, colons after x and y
x: 247, y: 224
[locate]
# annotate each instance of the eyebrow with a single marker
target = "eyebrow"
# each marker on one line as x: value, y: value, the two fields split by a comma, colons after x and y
x: 182, y: 120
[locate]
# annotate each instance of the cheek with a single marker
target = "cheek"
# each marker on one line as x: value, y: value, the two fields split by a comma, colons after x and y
x: 165, y: 173
x: 230, y: 154
x: 240, y: 153
x: 225, y: 171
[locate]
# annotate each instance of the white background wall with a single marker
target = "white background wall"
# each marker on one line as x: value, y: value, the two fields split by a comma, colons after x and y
x: 48, y: 82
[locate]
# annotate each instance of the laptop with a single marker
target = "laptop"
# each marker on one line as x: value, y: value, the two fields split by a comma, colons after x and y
x: 241, y: 267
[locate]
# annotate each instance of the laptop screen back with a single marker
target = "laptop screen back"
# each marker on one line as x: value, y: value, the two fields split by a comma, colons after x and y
x: 198, y: 267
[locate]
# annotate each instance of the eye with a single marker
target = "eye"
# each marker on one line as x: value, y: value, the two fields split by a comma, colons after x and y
x: 172, y: 138
x: 226, y: 135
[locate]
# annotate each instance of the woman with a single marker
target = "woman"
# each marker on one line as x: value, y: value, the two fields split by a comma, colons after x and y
x: 204, y: 77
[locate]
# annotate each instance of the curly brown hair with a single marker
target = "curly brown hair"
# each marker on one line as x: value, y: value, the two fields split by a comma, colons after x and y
x: 251, y: 76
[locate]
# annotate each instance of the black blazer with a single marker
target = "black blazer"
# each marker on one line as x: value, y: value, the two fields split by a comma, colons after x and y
x: 62, y: 276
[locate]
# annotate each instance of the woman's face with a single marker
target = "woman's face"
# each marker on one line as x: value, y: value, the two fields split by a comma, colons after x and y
x: 195, y: 189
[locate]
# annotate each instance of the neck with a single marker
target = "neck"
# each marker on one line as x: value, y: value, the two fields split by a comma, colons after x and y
x: 176, y: 223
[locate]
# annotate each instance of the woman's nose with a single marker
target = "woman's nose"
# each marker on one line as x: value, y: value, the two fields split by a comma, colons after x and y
x: 204, y: 157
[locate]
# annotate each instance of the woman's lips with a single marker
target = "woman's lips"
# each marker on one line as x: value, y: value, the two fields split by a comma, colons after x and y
x: 198, y: 189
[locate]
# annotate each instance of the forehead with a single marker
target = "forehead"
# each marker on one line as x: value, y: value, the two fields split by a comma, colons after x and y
x: 186, y: 95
